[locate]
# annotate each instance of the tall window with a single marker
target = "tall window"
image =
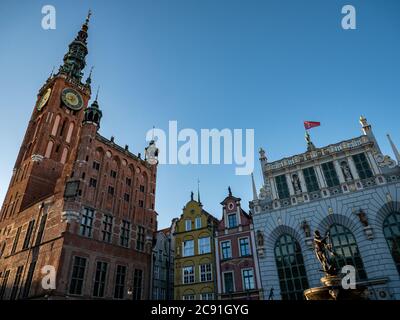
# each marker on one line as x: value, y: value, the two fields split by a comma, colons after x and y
x: 137, y: 284
x: 29, y: 278
x: 345, y: 246
x: 204, y: 245
x: 228, y: 282
x: 4, y: 283
x: 232, y: 220
x: 362, y: 166
x: 120, y: 282
x: 391, y: 230
x: 248, y: 279
x: 41, y: 229
x: 244, y: 244
x: 96, y: 166
x: 291, y: 271
x: 107, y: 228
x: 28, y: 234
x: 310, y: 179
x: 197, y: 222
x: 86, y: 226
x: 188, y: 248
x: 205, y: 272
x: 124, y: 237
x: 17, y: 282
x: 100, y: 279
x: 78, y: 275
x: 188, y: 225
x: 140, y: 239
x: 282, y: 187
x: 188, y: 274
x: 16, y: 239
x: 226, y: 250
x: 330, y: 174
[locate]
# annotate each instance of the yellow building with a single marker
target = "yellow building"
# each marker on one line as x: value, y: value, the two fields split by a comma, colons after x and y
x: 194, y: 254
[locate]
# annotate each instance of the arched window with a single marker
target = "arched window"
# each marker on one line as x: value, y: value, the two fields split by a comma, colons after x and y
x: 69, y: 133
x: 391, y: 230
x: 55, y: 126
x: 291, y: 271
x: 64, y: 156
x: 49, y: 149
x: 345, y: 246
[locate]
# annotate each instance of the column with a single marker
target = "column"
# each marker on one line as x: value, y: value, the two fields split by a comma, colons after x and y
x: 374, y: 167
x: 353, y: 168
x: 273, y: 188
x: 320, y: 176
x: 339, y: 171
x: 302, y: 181
x: 289, y: 183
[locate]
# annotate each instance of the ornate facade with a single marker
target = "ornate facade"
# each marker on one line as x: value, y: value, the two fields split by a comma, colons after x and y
x: 77, y: 202
x: 238, y: 274
x: 349, y: 189
x: 195, y: 275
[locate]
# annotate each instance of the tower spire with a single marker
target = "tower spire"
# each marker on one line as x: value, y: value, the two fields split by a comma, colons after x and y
x: 74, y: 59
x: 198, y: 191
x: 394, y: 148
x: 255, y: 197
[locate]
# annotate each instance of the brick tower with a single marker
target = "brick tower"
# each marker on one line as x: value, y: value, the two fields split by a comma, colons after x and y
x: 77, y: 202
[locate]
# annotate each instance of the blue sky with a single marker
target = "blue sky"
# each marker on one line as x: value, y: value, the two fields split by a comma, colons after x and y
x: 266, y: 65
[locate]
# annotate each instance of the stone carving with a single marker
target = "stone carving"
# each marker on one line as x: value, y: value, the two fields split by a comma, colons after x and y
x: 306, y: 228
x: 346, y: 171
x: 296, y: 184
x: 363, y: 218
x: 384, y: 161
x: 260, y: 239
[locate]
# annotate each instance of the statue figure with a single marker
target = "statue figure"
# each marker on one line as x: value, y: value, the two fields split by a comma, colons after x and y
x: 191, y: 195
x: 363, y: 218
x: 271, y: 294
x: 306, y: 228
x: 260, y: 239
x: 324, y: 253
x: 296, y: 184
x: 346, y: 171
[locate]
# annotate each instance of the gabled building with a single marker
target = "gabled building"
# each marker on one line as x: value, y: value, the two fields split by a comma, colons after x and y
x: 195, y: 274
x: 238, y: 275
x: 348, y: 190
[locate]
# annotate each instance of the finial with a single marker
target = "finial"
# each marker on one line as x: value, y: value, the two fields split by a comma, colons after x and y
x: 97, y: 93
x: 88, y: 16
x: 262, y: 154
x: 191, y: 195
x: 198, y: 190
x: 52, y: 72
x: 230, y: 191
x: 152, y: 135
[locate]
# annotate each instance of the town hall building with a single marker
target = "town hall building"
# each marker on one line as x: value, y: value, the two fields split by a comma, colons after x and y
x: 78, y: 203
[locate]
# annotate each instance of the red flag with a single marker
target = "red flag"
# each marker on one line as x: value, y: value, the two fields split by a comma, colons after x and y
x: 311, y: 124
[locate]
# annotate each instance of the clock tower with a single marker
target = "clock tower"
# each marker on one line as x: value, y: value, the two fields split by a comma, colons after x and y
x: 53, y: 132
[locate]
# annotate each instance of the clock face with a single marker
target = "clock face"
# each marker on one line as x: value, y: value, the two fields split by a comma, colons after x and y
x: 43, y: 100
x: 72, y: 99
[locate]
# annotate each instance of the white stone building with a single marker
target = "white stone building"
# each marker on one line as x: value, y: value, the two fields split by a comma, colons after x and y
x: 351, y: 190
